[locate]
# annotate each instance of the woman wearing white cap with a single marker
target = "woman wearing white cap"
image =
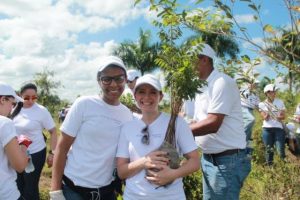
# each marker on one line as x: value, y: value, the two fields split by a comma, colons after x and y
x: 273, y: 112
x: 138, y: 144
x: 85, y: 155
x: 12, y: 155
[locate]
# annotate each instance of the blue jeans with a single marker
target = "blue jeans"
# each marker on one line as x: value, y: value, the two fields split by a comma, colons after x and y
x: 28, y: 183
x: 270, y: 137
x: 223, y: 176
x: 248, y: 120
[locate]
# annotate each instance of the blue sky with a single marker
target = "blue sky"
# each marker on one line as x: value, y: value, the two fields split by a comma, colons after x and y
x: 71, y: 37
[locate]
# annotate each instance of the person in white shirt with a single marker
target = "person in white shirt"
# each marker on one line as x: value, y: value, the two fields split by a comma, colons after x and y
x: 12, y: 154
x: 84, y: 160
x: 138, y: 144
x: 30, y: 121
x: 273, y: 112
x: 249, y: 101
x: 132, y: 76
x: 219, y: 131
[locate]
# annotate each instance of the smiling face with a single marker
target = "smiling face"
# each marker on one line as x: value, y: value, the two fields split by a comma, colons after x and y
x: 148, y: 98
x: 112, y: 82
x: 271, y: 95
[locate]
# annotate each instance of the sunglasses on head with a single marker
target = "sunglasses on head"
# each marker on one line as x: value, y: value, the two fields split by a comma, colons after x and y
x: 27, y: 98
x: 107, y: 80
x: 145, y: 138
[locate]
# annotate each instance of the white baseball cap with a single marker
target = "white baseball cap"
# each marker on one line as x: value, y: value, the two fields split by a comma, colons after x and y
x: 133, y: 74
x: 148, y: 79
x: 270, y: 87
x: 7, y: 90
x: 207, y: 51
x: 111, y: 60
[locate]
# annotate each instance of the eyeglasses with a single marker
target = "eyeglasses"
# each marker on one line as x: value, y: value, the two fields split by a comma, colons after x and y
x: 33, y: 98
x: 145, y: 138
x: 106, y: 80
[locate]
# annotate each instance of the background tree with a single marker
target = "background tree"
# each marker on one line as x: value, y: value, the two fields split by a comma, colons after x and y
x: 46, y: 89
x: 281, y: 45
x: 141, y: 54
x: 271, y: 38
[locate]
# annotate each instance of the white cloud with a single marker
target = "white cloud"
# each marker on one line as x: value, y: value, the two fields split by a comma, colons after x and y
x: 45, y: 33
x: 244, y: 19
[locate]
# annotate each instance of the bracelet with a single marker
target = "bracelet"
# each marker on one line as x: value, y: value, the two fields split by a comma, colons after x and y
x: 51, y: 152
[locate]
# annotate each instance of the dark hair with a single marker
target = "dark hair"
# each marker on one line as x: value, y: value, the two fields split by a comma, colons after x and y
x: 28, y: 86
x: 19, y: 105
x: 111, y: 65
x: 16, y: 110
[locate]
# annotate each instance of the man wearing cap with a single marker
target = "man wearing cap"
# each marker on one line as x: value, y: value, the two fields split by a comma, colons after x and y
x: 219, y: 132
x: 273, y: 112
x: 85, y: 155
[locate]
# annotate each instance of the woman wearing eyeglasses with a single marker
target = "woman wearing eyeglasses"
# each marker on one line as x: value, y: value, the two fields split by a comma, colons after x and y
x: 30, y: 120
x: 138, y: 144
x: 12, y: 154
x: 85, y: 155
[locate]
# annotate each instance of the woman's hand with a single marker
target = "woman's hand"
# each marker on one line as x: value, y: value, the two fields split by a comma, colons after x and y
x: 155, y: 160
x: 163, y: 177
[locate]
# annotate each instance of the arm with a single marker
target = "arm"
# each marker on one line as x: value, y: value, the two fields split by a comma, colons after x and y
x: 167, y: 175
x: 53, y: 143
x: 265, y: 115
x: 128, y: 169
x: 16, y: 155
x: 211, y: 124
x: 281, y: 115
x: 60, y: 158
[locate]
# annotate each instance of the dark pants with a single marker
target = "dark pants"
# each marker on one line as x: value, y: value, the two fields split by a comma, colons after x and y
x: 28, y: 183
x: 73, y: 195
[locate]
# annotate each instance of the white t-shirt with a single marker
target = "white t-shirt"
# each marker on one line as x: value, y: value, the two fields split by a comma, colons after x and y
x: 275, y: 107
x: 249, y: 99
x: 96, y: 127
x: 31, y: 122
x: 8, y: 176
x: 130, y: 146
x: 221, y: 95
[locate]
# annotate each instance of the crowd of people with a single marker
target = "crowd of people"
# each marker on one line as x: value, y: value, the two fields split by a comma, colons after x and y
x: 102, y: 140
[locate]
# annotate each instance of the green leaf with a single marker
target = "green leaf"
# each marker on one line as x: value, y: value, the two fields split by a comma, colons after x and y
x: 268, y: 28
x: 253, y: 6
x: 245, y: 58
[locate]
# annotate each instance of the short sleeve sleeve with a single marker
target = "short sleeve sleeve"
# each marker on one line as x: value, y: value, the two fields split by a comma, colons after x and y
x: 123, y: 145
x: 221, y: 97
x: 74, y: 119
x: 7, y: 133
x: 185, y: 139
